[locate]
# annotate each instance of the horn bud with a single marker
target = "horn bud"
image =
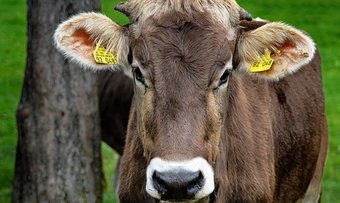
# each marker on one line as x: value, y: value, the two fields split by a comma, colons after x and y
x: 121, y: 7
x: 245, y: 15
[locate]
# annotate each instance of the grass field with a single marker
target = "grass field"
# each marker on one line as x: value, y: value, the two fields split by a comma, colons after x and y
x: 320, y: 18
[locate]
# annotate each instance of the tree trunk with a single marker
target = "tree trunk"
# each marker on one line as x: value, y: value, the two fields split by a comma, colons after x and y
x: 58, y: 152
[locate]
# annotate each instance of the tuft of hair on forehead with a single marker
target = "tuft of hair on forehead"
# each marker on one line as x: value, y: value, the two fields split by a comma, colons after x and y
x: 221, y: 10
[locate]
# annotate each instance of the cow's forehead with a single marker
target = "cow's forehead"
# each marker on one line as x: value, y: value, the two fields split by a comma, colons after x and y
x: 222, y: 13
x: 183, y: 47
x: 184, y: 34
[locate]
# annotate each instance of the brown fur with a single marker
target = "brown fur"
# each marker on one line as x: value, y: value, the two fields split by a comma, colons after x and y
x: 115, y: 94
x: 189, y: 70
x: 271, y: 133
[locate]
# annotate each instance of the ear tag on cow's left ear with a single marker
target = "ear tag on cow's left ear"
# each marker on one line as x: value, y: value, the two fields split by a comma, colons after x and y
x: 263, y: 64
x: 102, y: 56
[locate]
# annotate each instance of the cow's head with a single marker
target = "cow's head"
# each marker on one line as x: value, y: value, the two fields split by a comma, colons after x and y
x: 180, y: 55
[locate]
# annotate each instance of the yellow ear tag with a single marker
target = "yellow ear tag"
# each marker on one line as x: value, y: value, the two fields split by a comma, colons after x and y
x: 263, y: 64
x: 102, y: 56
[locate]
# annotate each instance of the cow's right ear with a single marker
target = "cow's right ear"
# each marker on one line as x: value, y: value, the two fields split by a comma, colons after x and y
x: 94, y: 41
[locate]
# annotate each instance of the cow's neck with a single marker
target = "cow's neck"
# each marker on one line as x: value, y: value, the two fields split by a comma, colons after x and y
x: 245, y: 163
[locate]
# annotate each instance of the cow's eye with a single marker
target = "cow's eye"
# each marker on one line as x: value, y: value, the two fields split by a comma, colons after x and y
x: 224, y: 78
x: 138, y: 74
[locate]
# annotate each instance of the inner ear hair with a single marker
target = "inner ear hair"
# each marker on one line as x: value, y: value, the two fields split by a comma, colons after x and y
x: 246, y: 25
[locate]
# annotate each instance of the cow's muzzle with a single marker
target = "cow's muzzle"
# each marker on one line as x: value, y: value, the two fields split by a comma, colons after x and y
x: 179, y: 181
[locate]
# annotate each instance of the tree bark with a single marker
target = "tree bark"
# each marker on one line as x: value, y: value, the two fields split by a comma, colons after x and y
x: 58, y: 152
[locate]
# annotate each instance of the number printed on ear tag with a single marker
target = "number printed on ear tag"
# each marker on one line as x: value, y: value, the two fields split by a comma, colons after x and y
x: 102, y: 56
x: 263, y: 64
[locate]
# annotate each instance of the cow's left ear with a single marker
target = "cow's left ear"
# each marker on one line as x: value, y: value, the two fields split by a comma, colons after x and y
x: 93, y: 41
x: 273, y: 50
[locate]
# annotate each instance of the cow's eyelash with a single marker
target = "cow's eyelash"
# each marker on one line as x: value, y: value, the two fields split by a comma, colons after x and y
x: 224, y: 78
x: 138, y: 75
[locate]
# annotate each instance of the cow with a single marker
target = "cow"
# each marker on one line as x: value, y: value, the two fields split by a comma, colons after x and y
x: 223, y: 108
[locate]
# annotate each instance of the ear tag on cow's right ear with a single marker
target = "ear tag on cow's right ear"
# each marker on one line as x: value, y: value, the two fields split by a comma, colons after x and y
x: 263, y: 64
x: 102, y: 56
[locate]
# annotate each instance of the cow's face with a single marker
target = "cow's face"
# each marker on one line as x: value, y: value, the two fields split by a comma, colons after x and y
x: 181, y: 68
x: 181, y: 64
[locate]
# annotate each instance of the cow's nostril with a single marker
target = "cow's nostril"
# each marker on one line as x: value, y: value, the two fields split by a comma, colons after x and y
x: 159, y: 183
x: 196, y: 184
x: 178, y: 185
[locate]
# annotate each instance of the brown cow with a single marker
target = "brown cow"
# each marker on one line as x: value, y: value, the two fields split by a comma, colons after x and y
x: 204, y: 124
x: 115, y: 94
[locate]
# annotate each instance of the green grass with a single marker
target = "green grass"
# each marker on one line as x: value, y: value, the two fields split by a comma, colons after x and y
x: 320, y: 18
x: 12, y: 57
x: 109, y: 164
